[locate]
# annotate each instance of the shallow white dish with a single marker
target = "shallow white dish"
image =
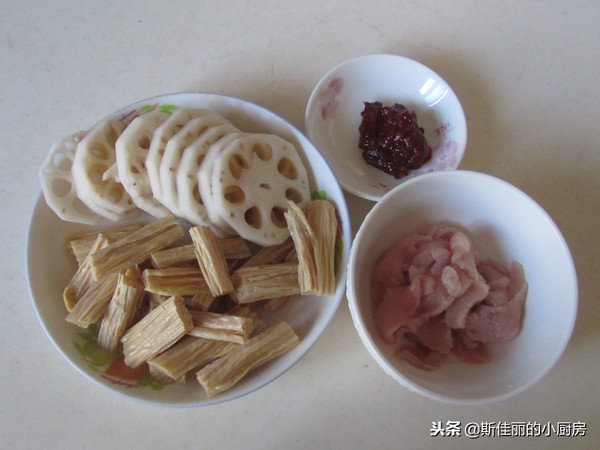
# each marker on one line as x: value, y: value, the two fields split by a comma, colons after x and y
x: 333, y: 117
x: 50, y: 266
x: 504, y: 224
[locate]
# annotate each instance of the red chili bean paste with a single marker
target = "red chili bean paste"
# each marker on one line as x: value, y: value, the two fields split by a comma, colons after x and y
x: 391, y: 139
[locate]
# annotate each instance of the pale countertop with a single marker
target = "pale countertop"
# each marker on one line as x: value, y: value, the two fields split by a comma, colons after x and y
x: 527, y: 75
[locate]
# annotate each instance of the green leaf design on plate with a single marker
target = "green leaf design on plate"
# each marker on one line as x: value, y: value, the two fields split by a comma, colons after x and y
x: 167, y: 108
x: 146, y: 108
x: 99, y: 360
x: 319, y: 195
x: 87, y: 346
x: 153, y: 383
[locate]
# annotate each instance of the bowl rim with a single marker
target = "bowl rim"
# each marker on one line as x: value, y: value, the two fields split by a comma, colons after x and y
x: 312, y: 109
x: 345, y: 232
x: 361, y: 327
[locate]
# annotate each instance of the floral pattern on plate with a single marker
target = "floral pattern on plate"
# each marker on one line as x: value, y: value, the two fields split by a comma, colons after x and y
x: 127, y: 117
x: 111, y: 365
x: 328, y: 98
x: 445, y: 156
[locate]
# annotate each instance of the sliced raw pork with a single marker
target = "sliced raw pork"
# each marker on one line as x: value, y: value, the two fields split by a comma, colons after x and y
x: 432, y: 296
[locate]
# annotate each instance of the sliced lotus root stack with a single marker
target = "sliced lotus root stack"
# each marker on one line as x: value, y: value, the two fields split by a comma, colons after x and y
x: 58, y: 186
x: 252, y: 179
x: 204, y: 180
x: 191, y: 204
x: 163, y: 133
x: 94, y: 174
x: 131, y: 151
x: 173, y: 154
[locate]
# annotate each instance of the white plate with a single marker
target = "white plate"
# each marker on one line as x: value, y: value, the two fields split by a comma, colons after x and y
x: 333, y: 117
x: 50, y: 266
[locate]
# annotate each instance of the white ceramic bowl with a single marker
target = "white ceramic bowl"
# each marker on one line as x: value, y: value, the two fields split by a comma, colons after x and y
x: 505, y: 224
x: 333, y: 117
x: 50, y: 267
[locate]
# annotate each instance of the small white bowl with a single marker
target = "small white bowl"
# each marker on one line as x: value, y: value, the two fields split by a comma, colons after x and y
x: 504, y: 224
x: 50, y: 267
x: 333, y: 117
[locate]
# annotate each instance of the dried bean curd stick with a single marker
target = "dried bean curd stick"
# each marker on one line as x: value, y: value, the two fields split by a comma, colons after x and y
x: 175, y: 256
x: 81, y: 245
x: 274, y: 254
x: 226, y: 371
x: 313, y: 243
x: 159, y: 375
x: 303, y: 237
x: 233, y: 248
x: 122, y: 309
x: 82, y: 279
x: 157, y: 331
x: 188, y: 354
x: 92, y: 305
x: 222, y: 327
x: 275, y: 303
x: 211, y: 260
x: 175, y: 281
x: 248, y: 310
x: 136, y: 247
x: 265, y: 282
x: 200, y: 301
x: 322, y: 219
x: 270, y: 255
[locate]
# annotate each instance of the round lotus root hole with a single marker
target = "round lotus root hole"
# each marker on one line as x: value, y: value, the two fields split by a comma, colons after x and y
x: 287, y: 169
x: 234, y: 194
x: 95, y: 173
x: 117, y: 193
x: 100, y: 151
x: 237, y: 164
x: 263, y: 151
x: 294, y: 195
x: 144, y: 142
x: 61, y: 187
x: 253, y: 218
x: 277, y: 217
